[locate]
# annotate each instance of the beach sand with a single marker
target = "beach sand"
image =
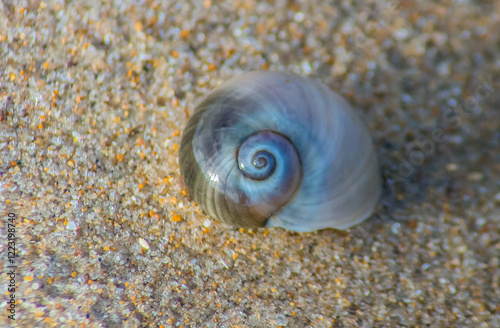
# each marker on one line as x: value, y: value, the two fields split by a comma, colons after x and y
x: 94, y: 96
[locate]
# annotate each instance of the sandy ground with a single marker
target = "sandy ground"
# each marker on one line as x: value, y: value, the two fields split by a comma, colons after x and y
x: 93, y: 99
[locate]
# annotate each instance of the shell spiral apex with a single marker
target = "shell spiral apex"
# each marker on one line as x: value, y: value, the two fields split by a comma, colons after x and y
x: 277, y: 149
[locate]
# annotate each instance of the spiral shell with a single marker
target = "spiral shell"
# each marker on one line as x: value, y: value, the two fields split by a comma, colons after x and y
x: 277, y: 149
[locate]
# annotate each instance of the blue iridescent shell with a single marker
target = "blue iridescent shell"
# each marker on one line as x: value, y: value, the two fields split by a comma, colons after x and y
x: 279, y: 150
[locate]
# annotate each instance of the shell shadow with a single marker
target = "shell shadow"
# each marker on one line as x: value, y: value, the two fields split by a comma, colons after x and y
x: 449, y: 172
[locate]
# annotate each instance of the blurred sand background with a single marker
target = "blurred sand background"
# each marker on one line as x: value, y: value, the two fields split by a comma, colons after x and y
x: 93, y: 99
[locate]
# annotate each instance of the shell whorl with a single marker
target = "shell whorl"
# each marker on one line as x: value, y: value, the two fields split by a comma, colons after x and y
x: 277, y: 149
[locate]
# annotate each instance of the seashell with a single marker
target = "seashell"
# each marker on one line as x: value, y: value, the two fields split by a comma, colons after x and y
x: 279, y: 150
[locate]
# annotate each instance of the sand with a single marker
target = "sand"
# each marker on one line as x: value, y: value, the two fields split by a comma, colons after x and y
x: 93, y: 99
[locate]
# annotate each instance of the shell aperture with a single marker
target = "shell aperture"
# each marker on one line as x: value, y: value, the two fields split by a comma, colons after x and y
x: 277, y: 149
